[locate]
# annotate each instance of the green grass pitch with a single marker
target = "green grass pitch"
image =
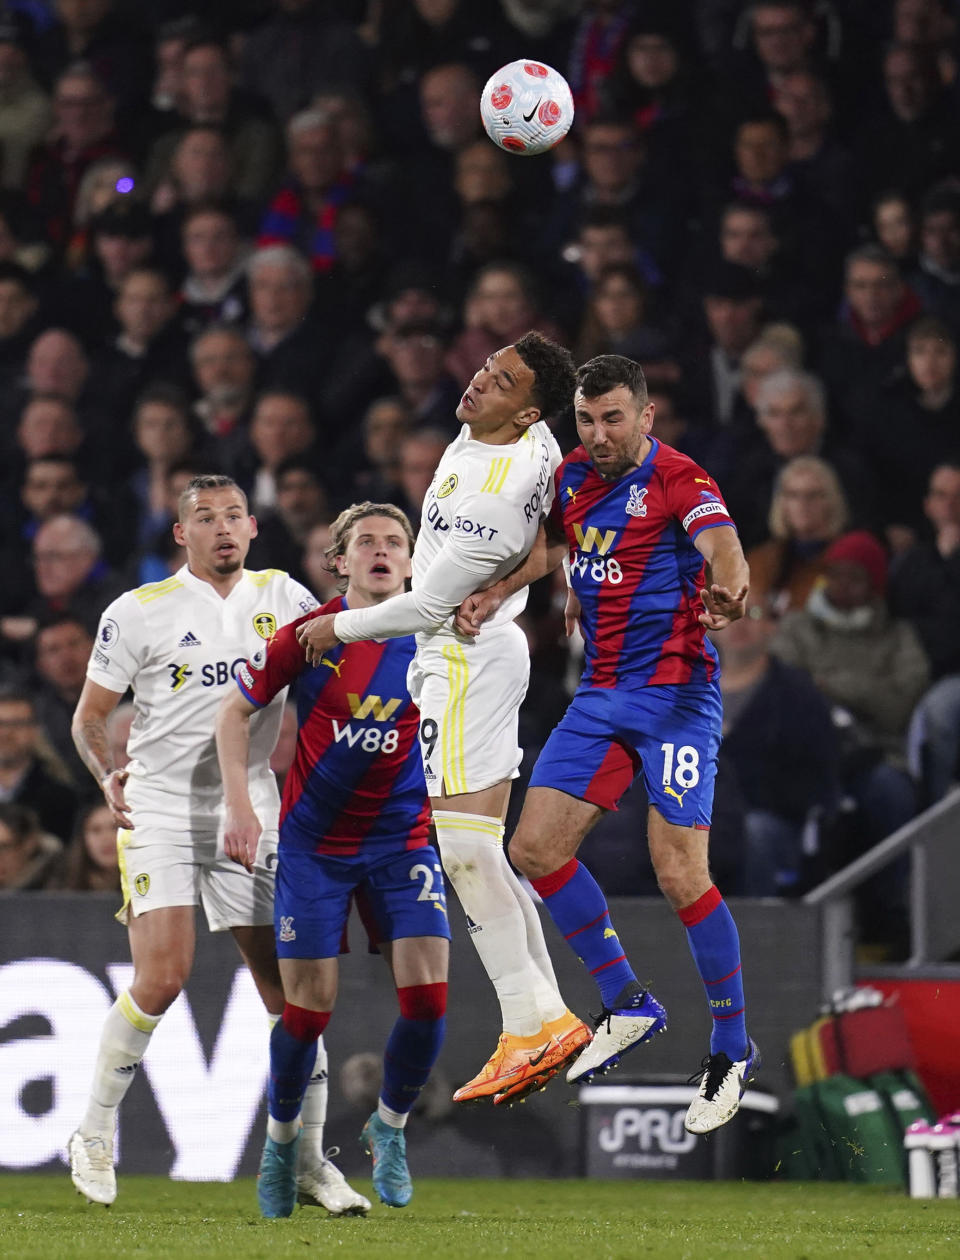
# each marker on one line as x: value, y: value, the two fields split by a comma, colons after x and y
x: 42, y: 1218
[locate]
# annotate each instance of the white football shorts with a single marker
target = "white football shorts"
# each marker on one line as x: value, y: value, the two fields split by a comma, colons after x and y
x: 166, y: 864
x: 469, y: 694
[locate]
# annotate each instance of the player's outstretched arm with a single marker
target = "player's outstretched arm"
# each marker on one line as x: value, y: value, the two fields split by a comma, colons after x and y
x: 724, y: 596
x: 233, y: 750
x: 89, y: 730
x: 543, y: 557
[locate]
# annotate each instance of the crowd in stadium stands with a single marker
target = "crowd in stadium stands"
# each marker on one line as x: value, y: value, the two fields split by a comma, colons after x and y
x: 268, y: 237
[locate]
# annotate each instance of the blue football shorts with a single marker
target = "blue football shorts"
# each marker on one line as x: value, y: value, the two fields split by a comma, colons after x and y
x: 397, y: 895
x: 670, y: 734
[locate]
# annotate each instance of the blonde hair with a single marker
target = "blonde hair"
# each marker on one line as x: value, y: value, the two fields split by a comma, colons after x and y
x: 837, y: 509
x: 341, y: 528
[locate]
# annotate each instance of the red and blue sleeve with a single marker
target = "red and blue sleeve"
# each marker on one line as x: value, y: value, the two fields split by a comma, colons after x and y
x: 274, y: 667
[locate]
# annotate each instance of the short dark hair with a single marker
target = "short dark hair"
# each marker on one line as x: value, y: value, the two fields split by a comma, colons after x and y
x: 14, y: 693
x: 297, y: 463
x: 930, y: 328
x: 206, y: 481
x: 554, y: 372
x: 607, y: 371
x: 20, y: 821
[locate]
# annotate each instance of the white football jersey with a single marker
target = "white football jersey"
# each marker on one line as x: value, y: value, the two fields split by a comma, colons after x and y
x: 484, y: 508
x: 178, y: 645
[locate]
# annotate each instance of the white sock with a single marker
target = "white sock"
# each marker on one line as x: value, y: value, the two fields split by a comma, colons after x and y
x: 549, y: 1001
x: 126, y: 1034
x: 283, y: 1131
x: 313, y: 1111
x: 395, y: 1119
x: 471, y: 849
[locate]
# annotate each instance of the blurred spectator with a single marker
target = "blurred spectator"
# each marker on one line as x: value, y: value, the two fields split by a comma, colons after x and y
x: 894, y: 226
x: 924, y: 586
x: 822, y: 165
x: 936, y: 280
x: 164, y: 436
x: 214, y: 290
x: 846, y: 640
x: 302, y: 47
x: 84, y: 132
x: 105, y: 182
x: 780, y: 742
x: 416, y: 353
x: 287, y: 344
x: 909, y: 423
x: 710, y: 448
x: 209, y: 99
x: 774, y: 350
x: 29, y: 774
x: 321, y: 579
x: 224, y: 368
x: 62, y: 649
x: 420, y: 453
x: 808, y: 510
x: 501, y: 305
x: 281, y: 427
x: 282, y: 531
x: 792, y: 417
x: 170, y: 45
x: 601, y: 31
x: 18, y: 317
x: 28, y: 855
x: 345, y: 293
x: 421, y: 198
x: 653, y: 84
x: 120, y: 240
x: 373, y: 470
x: 868, y: 338
x: 615, y: 320
x: 732, y: 307
x: 52, y: 485
x: 925, y: 591
x: 150, y: 344
x: 48, y: 426
x: 69, y: 572
x: 200, y: 170
x: 614, y: 174
x: 912, y: 140
x: 106, y: 35
x: 304, y: 212
x: 89, y: 863
x: 25, y: 113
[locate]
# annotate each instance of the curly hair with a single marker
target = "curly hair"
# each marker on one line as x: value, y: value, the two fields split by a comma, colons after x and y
x: 607, y: 371
x: 341, y: 528
x: 554, y: 372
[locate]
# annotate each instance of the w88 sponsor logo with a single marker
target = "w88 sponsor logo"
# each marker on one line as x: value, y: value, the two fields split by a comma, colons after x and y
x: 597, y: 568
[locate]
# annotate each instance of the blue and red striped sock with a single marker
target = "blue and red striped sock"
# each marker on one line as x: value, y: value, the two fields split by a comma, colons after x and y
x: 413, y: 1044
x: 579, y: 909
x: 293, y: 1052
x: 715, y: 945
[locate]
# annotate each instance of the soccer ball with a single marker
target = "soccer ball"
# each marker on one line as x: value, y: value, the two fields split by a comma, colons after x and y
x: 526, y: 107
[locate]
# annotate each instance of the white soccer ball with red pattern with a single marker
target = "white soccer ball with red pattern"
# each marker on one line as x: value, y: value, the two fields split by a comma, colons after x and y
x: 526, y: 107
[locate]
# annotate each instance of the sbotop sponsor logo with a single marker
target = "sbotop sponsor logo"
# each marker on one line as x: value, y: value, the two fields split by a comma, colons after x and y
x: 646, y: 1137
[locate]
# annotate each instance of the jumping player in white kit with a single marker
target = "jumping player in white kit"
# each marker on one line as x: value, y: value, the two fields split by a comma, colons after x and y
x: 480, y: 518
x: 177, y: 644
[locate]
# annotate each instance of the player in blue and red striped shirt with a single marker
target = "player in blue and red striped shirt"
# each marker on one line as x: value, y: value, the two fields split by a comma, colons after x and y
x: 655, y: 562
x: 354, y: 823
